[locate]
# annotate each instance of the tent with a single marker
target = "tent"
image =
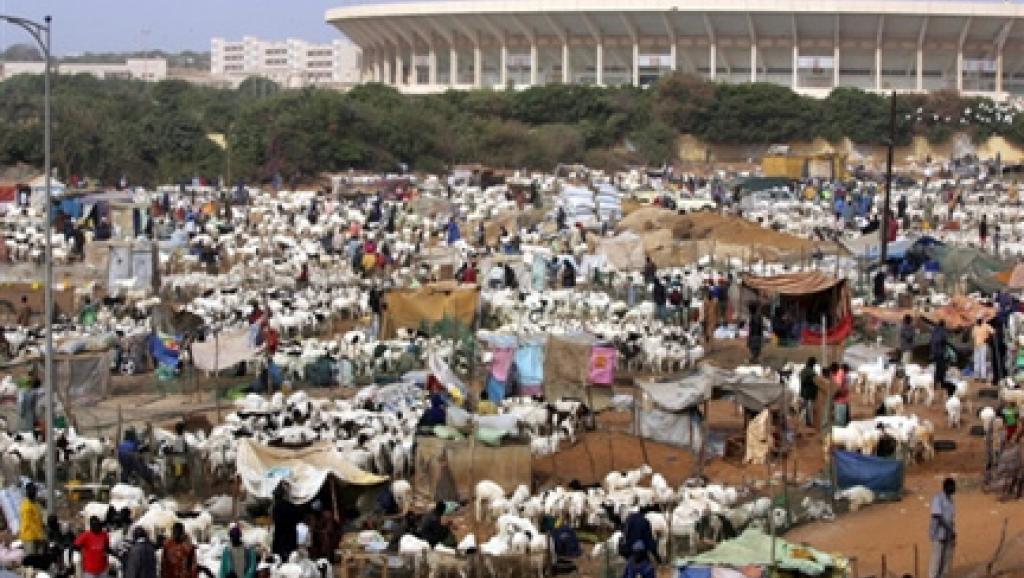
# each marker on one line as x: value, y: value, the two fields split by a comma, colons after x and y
x: 430, y: 303
x: 880, y: 475
x: 262, y: 468
x: 754, y: 548
x: 567, y: 361
x: 223, y: 351
x: 977, y: 267
x: 450, y: 469
x: 624, y: 252
x: 669, y: 412
x: 808, y: 296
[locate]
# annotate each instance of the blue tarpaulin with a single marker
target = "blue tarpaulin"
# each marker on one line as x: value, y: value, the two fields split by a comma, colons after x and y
x: 881, y: 475
x: 161, y: 353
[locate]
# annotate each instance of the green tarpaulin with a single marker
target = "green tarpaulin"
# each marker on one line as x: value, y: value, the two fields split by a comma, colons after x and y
x: 753, y: 548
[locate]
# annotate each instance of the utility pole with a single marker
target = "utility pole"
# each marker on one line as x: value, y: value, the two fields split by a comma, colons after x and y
x: 41, y: 34
x: 884, y: 250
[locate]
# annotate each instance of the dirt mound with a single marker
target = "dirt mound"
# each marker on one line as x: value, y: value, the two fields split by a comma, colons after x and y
x: 736, y: 231
x: 648, y: 219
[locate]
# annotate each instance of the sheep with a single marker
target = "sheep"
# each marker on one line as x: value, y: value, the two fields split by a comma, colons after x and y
x: 402, y: 491
x: 858, y: 496
x: 893, y: 405
x: 620, y: 480
x: 486, y: 492
x: 953, y: 411
x: 987, y: 415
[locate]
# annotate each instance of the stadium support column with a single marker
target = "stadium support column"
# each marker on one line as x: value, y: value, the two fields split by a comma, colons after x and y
x: 753, y: 48
x: 753, y: 62
x: 503, y: 75
x: 432, y: 65
x: 712, y: 60
x: 399, y: 66
x: 636, y: 62
x: 796, y: 52
x: 960, y: 55
x: 478, y: 63
x: 999, y: 70
x: 878, y: 68
x: 835, y: 53
x: 878, y: 52
x: 453, y: 65
x: 566, y: 65
x: 599, y: 63
x: 919, y: 56
x: 835, y: 66
x: 796, y: 66
x: 534, y: 61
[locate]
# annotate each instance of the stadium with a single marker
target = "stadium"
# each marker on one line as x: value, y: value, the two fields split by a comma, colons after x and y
x: 878, y: 45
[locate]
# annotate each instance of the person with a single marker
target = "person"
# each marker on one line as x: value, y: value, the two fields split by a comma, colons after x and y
x: 140, y: 560
x: 30, y: 530
x: 907, y: 336
x: 94, y: 545
x: 639, y: 565
x: 660, y: 298
x: 326, y: 533
x: 980, y: 334
x: 938, y: 347
x: 901, y: 207
x: 286, y: 517
x: 568, y: 274
x: 636, y: 528
x: 485, y: 406
x: 302, y: 280
x: 710, y: 318
x: 469, y: 275
x: 436, y: 415
x: 983, y: 230
x: 27, y: 399
x: 432, y: 528
x: 997, y: 231
x: 942, y: 530
x: 879, y: 287
x: 87, y: 315
x: 178, y: 454
x: 237, y: 560
x: 841, y: 400
x: 808, y: 390
x: 650, y: 270
x: 510, y: 281
x: 24, y: 317
x: 755, y: 333
x: 1011, y: 419
x: 128, y: 454
x: 179, y: 555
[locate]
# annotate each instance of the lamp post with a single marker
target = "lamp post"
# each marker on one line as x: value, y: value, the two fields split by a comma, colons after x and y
x: 41, y: 34
x: 883, y: 251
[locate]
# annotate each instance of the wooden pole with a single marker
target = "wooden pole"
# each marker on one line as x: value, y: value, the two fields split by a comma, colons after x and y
x: 916, y: 563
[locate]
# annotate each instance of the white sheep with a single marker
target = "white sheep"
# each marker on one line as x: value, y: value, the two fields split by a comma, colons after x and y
x: 486, y: 492
x: 953, y: 409
x: 858, y: 497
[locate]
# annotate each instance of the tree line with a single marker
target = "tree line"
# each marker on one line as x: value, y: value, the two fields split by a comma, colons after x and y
x: 155, y: 133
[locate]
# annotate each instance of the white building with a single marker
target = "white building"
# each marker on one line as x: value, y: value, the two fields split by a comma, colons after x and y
x: 878, y: 45
x: 291, y: 63
x: 147, y: 69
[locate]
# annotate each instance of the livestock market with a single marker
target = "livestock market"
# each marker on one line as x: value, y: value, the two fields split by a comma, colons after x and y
x: 706, y: 372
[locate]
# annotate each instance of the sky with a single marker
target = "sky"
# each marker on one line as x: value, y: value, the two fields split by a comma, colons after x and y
x: 172, y: 25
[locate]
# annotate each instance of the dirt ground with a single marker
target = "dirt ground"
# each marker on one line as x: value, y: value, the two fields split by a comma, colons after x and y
x: 895, y: 529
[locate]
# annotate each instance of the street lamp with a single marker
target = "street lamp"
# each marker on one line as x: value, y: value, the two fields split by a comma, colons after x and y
x: 41, y: 33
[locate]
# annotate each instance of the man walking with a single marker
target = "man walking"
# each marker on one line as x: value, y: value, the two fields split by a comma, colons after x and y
x: 980, y: 334
x: 942, y: 530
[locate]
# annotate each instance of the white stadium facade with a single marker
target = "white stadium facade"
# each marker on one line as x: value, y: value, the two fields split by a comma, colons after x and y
x: 811, y: 46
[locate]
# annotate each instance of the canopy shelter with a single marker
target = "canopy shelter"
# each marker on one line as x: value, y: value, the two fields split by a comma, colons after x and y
x: 977, y: 268
x: 306, y: 469
x: 410, y: 308
x: 670, y: 412
x: 802, y: 300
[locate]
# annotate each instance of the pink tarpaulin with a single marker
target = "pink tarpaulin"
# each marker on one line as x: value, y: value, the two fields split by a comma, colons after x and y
x: 502, y: 362
x: 602, y: 365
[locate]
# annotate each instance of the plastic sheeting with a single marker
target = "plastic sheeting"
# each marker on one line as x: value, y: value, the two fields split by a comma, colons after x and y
x: 226, y: 351
x: 881, y: 475
x: 754, y: 547
x: 262, y: 468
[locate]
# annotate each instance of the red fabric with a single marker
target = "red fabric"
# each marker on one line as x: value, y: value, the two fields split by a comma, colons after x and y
x: 94, y: 551
x: 272, y: 338
x: 469, y: 276
x: 834, y: 336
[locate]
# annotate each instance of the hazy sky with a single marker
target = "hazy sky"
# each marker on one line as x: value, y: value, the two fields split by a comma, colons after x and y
x: 123, y: 25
